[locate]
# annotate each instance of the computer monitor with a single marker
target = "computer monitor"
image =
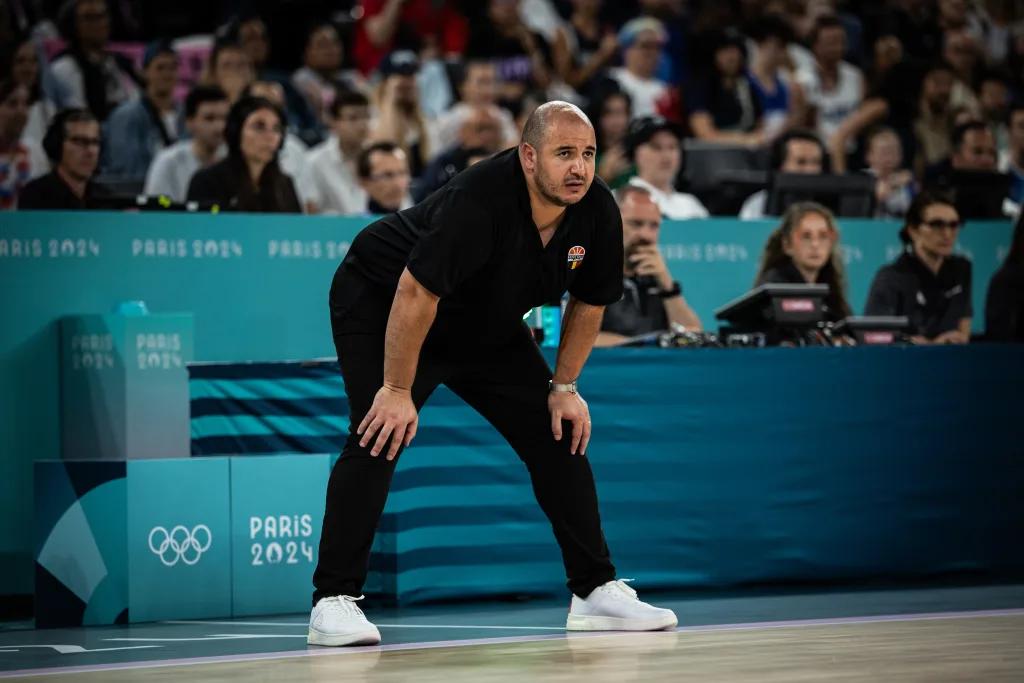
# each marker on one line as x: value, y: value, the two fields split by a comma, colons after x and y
x: 874, y: 330
x: 851, y: 194
x: 776, y: 305
x: 976, y: 194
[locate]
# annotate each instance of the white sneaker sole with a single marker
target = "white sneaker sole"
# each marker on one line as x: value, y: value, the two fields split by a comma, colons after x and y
x: 577, y: 622
x: 365, y: 637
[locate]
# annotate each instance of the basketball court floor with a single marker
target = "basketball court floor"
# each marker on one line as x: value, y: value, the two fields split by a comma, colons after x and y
x: 922, y: 634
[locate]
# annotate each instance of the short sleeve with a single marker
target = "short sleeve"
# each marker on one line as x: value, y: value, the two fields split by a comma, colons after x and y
x: 600, y: 280
x: 457, y: 241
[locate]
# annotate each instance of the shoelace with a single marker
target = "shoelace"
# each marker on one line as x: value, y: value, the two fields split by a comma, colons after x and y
x: 345, y: 605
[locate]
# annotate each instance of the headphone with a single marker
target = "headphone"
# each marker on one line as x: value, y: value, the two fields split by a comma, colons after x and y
x: 53, y: 141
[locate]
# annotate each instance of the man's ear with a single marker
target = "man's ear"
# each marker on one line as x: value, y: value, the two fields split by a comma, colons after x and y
x: 528, y: 155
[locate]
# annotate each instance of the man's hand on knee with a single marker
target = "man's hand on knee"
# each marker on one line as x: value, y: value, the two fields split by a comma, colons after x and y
x: 392, y: 417
x: 571, y: 407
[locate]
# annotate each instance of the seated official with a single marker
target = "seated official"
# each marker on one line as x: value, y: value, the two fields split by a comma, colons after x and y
x: 72, y: 144
x: 652, y: 301
x: 805, y: 250
x: 383, y: 170
x: 1004, y: 304
x: 928, y: 283
x: 249, y: 179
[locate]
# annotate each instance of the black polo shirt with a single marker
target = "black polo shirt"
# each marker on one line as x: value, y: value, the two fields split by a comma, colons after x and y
x: 934, y: 303
x: 475, y: 245
x: 639, y: 311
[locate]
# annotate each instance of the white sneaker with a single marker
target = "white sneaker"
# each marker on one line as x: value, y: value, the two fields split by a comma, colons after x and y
x: 337, y: 621
x: 614, y: 606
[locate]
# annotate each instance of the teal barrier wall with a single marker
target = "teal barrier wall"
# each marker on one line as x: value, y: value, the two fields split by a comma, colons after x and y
x: 257, y: 287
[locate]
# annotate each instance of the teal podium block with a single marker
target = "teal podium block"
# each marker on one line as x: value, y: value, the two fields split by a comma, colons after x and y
x: 124, y: 386
x: 277, y: 508
x: 179, y: 539
x: 119, y: 542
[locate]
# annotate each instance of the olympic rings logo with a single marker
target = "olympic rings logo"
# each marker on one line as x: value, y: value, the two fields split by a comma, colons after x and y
x: 180, y: 544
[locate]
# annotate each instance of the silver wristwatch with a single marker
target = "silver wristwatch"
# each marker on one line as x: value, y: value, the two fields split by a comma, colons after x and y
x: 569, y: 388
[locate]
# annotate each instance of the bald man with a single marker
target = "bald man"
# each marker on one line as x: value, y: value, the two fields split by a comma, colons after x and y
x: 436, y: 294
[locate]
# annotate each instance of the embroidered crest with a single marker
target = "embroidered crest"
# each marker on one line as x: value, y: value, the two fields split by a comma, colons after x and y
x: 576, y: 255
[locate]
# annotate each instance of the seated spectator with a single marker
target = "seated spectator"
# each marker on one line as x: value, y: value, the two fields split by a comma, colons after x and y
x: 206, y: 110
x: 584, y: 47
x: 384, y: 174
x: 1004, y: 303
x: 974, y: 149
x: 994, y: 105
x: 20, y: 160
x: 894, y: 186
x: 321, y: 74
x: 331, y: 184
x: 961, y: 51
x: 478, y: 87
x: 610, y: 113
x: 230, y: 69
x: 1013, y: 161
x: 781, y: 104
x: 480, y: 136
x: 928, y: 283
x: 651, y: 301
x: 19, y: 62
x: 522, y: 56
x: 722, y: 104
x: 146, y: 124
x: 833, y: 88
x: 642, y: 41
x: 917, y: 104
x: 798, y: 151
x: 249, y: 179
x: 388, y: 25
x: 91, y: 77
x: 399, y: 116
x: 656, y: 147
x: 805, y: 250
x: 72, y: 144
x: 292, y: 158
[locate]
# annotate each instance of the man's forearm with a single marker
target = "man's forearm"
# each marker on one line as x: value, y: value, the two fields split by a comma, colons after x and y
x: 679, y: 312
x: 580, y: 326
x: 412, y: 314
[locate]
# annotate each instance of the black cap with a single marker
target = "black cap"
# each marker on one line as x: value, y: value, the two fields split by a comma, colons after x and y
x: 404, y: 62
x: 644, y: 128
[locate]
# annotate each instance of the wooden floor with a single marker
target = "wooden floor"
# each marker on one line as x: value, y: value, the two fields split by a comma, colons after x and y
x: 969, y: 634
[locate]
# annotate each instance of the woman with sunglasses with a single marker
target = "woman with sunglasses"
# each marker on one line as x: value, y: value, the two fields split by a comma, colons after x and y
x: 927, y: 283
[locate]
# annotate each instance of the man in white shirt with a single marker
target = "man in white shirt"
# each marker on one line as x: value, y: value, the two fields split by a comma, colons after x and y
x: 833, y: 88
x: 206, y: 110
x: 642, y: 41
x: 330, y: 183
x: 657, y: 150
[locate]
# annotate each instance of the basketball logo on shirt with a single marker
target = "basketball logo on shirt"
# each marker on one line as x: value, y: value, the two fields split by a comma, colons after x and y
x: 576, y: 256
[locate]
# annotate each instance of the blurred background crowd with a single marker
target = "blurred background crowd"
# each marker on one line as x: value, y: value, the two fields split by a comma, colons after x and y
x: 356, y: 107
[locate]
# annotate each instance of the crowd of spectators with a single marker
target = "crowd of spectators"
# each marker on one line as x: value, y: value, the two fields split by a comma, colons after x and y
x: 366, y: 106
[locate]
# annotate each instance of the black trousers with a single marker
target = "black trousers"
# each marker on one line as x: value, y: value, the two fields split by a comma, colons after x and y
x: 507, y: 384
